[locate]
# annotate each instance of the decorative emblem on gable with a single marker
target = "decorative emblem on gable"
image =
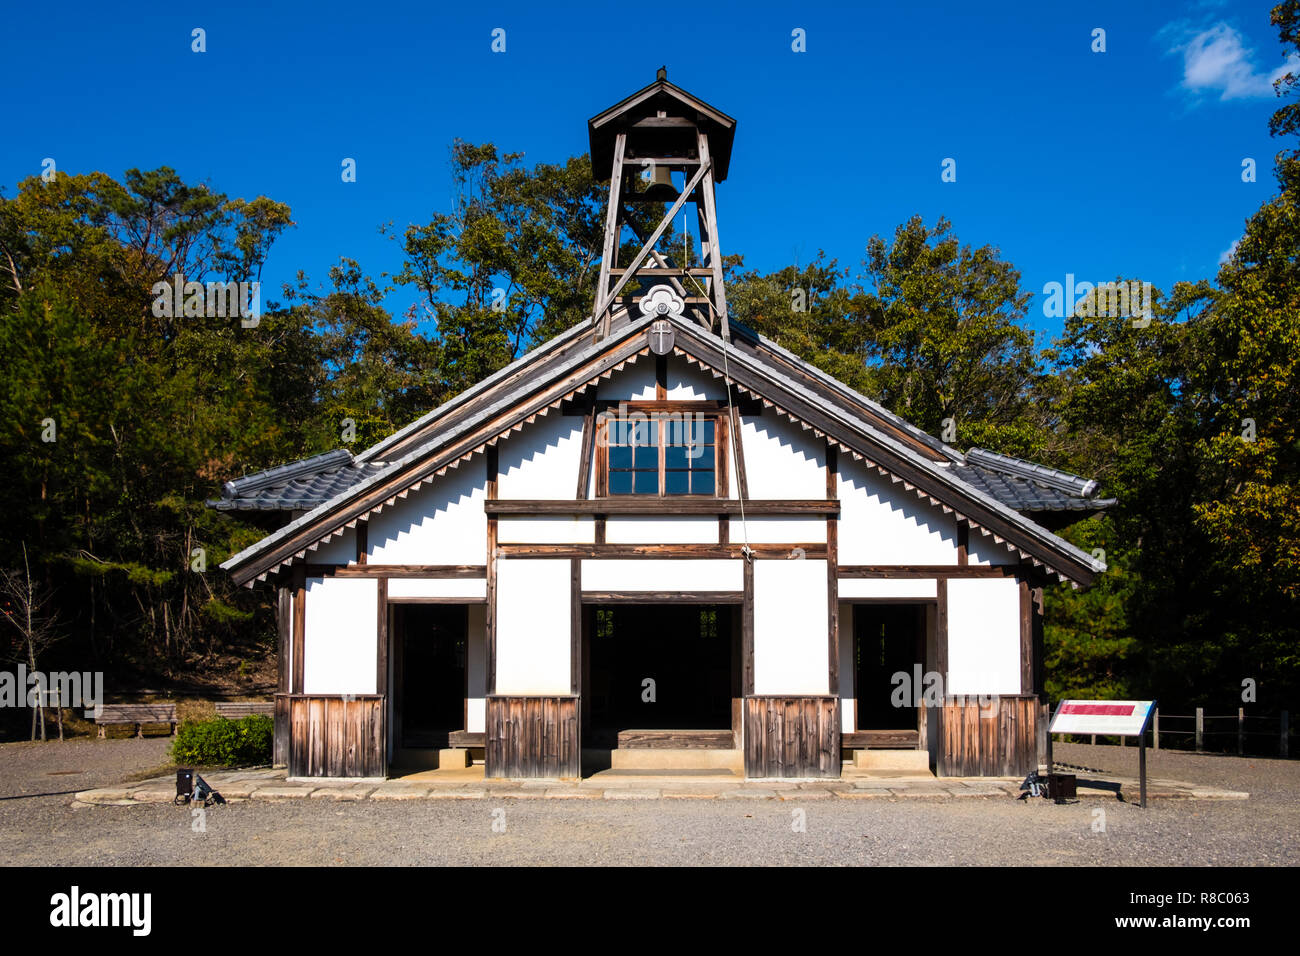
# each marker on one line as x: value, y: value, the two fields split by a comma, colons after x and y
x: 663, y: 301
x: 661, y: 337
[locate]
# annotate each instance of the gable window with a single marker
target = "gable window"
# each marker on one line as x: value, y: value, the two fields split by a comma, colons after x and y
x: 653, y: 451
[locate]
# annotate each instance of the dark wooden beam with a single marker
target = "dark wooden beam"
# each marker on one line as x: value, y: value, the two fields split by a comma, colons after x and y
x: 284, y: 634
x: 880, y: 740
x: 1026, y: 639
x: 832, y: 575
x: 747, y: 632
x: 675, y: 740
x: 395, y: 570
x: 299, y: 621
x: 1040, y: 662
x: 667, y: 505
x: 575, y: 626
x: 929, y: 571
x: 613, y: 218
x: 716, y: 288
x: 424, y: 599
x: 490, y: 617
x: 738, y: 447
x: 658, y: 597
x: 588, y: 448
x: 782, y: 552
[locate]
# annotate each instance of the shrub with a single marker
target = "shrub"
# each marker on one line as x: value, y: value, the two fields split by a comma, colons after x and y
x: 224, y: 743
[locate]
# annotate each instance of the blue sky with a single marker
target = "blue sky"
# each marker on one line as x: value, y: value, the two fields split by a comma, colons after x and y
x: 1070, y: 161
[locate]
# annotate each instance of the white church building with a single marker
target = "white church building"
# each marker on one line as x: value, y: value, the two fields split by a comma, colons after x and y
x: 661, y: 540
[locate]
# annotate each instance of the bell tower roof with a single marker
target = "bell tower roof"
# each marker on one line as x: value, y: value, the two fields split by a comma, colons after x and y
x: 662, y: 116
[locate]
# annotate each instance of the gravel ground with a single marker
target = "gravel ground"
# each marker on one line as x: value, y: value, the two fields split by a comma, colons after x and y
x: 38, y: 824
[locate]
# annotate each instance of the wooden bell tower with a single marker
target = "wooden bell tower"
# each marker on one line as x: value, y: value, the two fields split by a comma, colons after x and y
x: 640, y: 145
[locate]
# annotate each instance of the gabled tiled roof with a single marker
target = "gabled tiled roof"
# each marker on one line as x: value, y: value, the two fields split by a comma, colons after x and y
x: 989, y: 492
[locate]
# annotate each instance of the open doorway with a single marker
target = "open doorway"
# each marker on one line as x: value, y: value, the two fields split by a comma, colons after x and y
x: 660, y: 676
x: 889, y: 639
x: 428, y: 657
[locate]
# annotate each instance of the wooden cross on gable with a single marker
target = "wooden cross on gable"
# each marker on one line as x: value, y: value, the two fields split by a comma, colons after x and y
x: 661, y: 337
x: 667, y: 132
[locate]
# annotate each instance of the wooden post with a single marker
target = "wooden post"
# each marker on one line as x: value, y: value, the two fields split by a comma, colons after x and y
x: 1283, y: 746
x: 1241, y: 730
x: 716, y: 289
x: 1142, y: 770
x: 1200, y: 729
x: 1044, y: 737
x: 609, y: 254
x: 1155, y: 729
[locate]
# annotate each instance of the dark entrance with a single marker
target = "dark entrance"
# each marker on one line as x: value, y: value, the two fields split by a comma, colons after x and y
x: 888, y: 639
x: 658, y: 667
x: 428, y: 679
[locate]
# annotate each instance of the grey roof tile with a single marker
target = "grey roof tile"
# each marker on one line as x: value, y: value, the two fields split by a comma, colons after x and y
x: 1022, y: 494
x: 297, y: 486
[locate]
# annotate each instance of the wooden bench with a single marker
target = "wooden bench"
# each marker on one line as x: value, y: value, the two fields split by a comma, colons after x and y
x: 234, y: 709
x: 465, y: 739
x: 880, y: 740
x: 138, y: 714
x: 675, y: 740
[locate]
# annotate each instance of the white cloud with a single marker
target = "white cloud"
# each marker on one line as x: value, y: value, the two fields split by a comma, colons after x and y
x: 1217, y: 60
x: 1226, y: 254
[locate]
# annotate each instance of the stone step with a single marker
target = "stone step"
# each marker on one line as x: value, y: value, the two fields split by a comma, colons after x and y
x: 917, y: 760
x: 678, y: 759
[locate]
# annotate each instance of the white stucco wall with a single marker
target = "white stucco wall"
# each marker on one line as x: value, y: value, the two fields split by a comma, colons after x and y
x: 882, y: 523
x: 691, y: 383
x: 687, y: 530
x: 768, y: 530
x: 541, y: 461
x: 634, y: 382
x: 339, y: 636
x: 468, y: 589
x: 669, y: 574
x: 791, y: 649
x: 441, y: 523
x: 888, y: 588
x: 548, y: 529
x: 983, y: 636
x: 533, y: 624
x: 781, y: 459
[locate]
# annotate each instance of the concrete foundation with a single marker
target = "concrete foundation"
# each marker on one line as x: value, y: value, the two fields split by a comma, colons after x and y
x: 673, y: 759
x: 918, y: 760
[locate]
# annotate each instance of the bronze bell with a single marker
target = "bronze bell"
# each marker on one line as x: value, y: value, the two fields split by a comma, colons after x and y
x: 658, y: 187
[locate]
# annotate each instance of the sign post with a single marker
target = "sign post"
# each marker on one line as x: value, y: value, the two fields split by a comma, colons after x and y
x: 1123, y: 718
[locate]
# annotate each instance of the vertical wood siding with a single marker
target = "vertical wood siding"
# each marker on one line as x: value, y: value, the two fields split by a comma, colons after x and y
x: 330, y: 736
x: 532, y: 737
x: 1004, y: 744
x: 792, y: 736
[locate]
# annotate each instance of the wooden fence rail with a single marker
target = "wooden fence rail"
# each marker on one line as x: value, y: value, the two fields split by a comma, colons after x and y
x: 1198, y: 733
